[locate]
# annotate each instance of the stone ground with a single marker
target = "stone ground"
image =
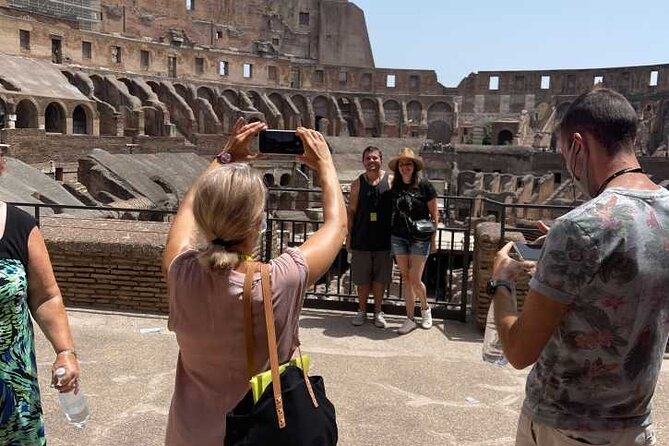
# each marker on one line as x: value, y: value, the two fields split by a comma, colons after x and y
x: 429, y: 387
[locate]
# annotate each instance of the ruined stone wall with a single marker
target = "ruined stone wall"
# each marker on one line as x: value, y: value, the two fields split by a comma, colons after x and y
x: 108, y: 264
x: 36, y: 146
x: 486, y: 244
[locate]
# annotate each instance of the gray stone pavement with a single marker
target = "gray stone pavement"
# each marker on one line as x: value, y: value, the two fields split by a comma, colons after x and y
x: 429, y: 387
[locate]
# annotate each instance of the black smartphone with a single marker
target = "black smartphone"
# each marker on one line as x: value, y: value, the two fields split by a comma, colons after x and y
x: 527, y: 252
x: 280, y: 142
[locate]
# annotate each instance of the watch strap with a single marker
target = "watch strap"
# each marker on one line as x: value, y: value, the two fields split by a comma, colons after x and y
x: 494, y: 284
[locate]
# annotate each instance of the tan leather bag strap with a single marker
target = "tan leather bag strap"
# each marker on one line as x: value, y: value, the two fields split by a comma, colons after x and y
x: 307, y: 382
x: 271, y: 343
x: 251, y: 268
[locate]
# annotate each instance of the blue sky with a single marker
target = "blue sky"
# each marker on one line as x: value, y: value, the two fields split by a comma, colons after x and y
x: 455, y: 38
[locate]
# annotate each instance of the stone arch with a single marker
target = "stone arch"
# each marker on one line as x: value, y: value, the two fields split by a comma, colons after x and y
x: 393, y: 114
x: 439, y: 111
x: 324, y: 115
x: 282, y: 107
x: 370, y: 113
x: 347, y: 109
x: 54, y: 118
x: 439, y: 117
x: 285, y: 179
x: 208, y: 94
x: 268, y: 179
x: 153, y: 117
x: 414, y: 112
x: 82, y: 120
x: 155, y: 87
x: 504, y: 137
x: 301, y: 104
x: 26, y: 115
x: 255, y: 98
x: 3, y: 114
x: 182, y: 91
x: 232, y: 96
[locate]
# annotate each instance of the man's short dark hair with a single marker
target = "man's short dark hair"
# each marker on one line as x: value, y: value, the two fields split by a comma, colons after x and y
x: 606, y: 115
x: 371, y: 149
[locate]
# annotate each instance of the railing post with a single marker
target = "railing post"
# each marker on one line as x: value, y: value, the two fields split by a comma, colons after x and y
x: 37, y: 214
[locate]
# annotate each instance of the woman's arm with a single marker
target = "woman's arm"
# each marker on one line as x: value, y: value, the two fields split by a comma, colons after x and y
x: 322, y: 247
x: 183, y: 225
x: 46, y: 306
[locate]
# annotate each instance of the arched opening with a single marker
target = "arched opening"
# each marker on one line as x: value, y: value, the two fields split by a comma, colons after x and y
x: 182, y: 91
x: 414, y: 112
x: 370, y: 113
x: 54, y: 118
x: 301, y: 104
x: 3, y: 114
x: 26, y: 115
x: 322, y: 110
x: 268, y: 179
x: 285, y: 179
x: 80, y: 121
x: 348, y: 113
x: 232, y: 96
x: 393, y: 118
x: 504, y: 138
x: 152, y: 121
x: 206, y: 93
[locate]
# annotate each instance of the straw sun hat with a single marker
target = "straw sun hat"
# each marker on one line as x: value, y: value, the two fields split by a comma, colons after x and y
x: 406, y: 153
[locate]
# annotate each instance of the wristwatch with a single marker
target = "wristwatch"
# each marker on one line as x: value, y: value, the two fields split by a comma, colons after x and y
x: 224, y: 157
x: 493, y: 284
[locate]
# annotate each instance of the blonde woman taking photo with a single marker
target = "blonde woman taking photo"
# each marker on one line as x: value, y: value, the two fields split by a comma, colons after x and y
x: 226, y: 208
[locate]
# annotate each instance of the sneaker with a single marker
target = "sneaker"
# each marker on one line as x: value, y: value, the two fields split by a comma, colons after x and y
x: 426, y: 315
x: 407, y: 326
x: 380, y: 320
x: 359, y: 318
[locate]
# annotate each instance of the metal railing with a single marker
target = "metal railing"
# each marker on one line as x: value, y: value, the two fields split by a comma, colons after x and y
x: 446, y: 273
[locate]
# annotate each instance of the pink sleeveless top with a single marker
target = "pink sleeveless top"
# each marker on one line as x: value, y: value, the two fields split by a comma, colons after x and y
x: 206, y: 313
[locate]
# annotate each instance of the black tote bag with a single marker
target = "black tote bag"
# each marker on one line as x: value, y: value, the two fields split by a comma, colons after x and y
x: 294, y: 410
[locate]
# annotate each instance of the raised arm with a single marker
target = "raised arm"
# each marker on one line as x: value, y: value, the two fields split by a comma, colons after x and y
x: 352, y: 208
x: 183, y: 225
x: 322, y: 247
x: 46, y: 307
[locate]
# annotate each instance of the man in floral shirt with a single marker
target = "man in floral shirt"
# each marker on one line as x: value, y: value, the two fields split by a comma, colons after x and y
x: 597, y: 315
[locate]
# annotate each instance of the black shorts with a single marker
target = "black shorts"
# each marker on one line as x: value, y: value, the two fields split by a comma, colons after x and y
x: 369, y: 267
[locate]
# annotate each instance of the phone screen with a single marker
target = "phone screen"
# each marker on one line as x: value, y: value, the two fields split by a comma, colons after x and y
x: 280, y: 142
x: 527, y: 252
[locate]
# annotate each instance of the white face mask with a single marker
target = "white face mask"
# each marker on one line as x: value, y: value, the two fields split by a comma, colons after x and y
x: 580, y: 182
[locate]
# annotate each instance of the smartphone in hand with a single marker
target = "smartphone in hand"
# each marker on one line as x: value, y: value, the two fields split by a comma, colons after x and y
x: 527, y: 252
x: 280, y: 142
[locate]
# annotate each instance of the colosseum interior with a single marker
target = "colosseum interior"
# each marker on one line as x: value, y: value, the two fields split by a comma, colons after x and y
x: 119, y: 103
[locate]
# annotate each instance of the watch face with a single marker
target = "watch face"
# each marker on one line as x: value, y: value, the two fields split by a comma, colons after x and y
x: 224, y: 157
x: 491, y: 287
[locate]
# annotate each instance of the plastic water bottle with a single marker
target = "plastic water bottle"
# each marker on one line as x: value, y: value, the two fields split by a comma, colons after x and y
x: 74, y: 405
x: 492, y: 345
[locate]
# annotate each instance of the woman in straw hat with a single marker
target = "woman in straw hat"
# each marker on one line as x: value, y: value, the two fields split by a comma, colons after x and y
x: 414, y: 198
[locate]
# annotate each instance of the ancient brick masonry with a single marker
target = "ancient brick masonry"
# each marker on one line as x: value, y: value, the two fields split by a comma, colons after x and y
x: 487, y: 243
x: 108, y: 264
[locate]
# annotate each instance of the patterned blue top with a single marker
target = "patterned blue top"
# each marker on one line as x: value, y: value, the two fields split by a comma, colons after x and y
x: 21, y: 420
x: 608, y: 260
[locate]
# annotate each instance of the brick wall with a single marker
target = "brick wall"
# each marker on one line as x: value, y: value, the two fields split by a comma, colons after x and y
x: 108, y: 264
x: 486, y: 244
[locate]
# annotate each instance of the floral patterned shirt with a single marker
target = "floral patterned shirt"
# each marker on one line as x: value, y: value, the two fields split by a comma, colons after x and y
x: 608, y: 260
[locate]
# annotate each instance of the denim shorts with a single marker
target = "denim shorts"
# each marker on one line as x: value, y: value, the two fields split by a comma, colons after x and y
x: 401, y: 246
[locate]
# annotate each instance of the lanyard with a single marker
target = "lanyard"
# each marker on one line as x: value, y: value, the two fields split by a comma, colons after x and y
x: 616, y: 175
